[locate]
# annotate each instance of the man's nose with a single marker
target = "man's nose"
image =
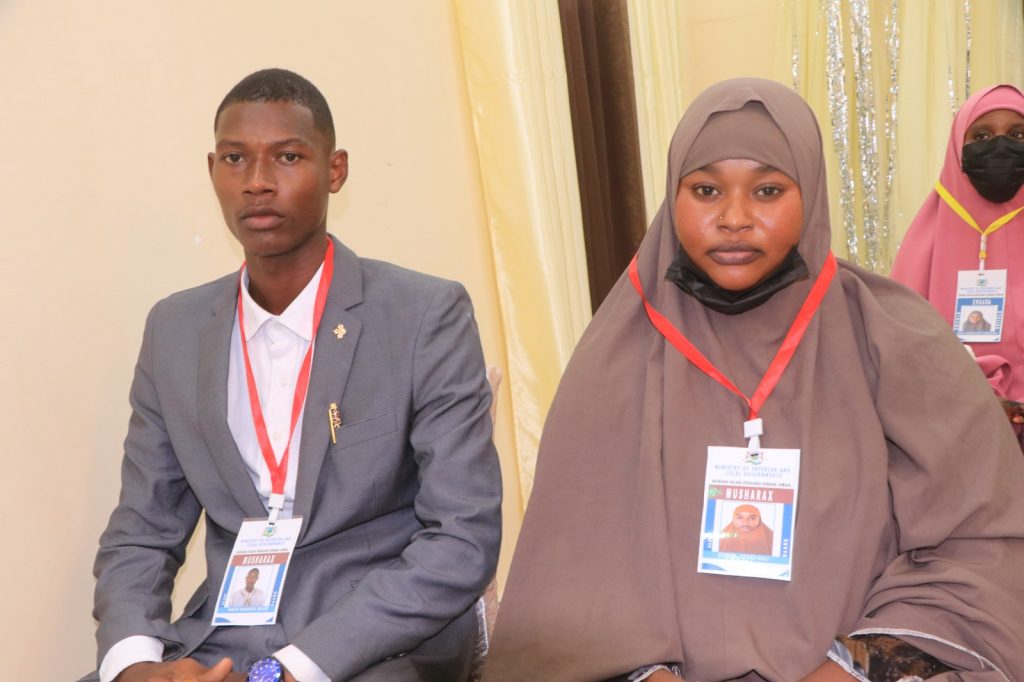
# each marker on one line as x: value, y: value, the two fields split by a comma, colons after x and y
x: 259, y: 177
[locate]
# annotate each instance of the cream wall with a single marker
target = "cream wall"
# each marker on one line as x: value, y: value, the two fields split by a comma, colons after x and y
x: 106, y: 207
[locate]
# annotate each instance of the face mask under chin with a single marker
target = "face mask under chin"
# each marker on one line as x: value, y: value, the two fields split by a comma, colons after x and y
x: 995, y: 167
x: 685, y: 274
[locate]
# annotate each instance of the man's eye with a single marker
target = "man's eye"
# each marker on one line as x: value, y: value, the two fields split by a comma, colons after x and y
x: 290, y: 157
x: 233, y: 158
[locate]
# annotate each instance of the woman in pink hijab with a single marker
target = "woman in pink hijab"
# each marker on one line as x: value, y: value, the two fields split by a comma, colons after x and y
x: 979, y: 192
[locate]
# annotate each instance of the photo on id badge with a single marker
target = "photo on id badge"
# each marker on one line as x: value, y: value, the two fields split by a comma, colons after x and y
x: 747, y: 528
x: 249, y: 593
x: 979, y: 321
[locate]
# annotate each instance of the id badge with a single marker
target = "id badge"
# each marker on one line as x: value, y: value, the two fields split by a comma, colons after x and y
x: 749, y: 513
x: 251, y: 591
x: 980, y: 301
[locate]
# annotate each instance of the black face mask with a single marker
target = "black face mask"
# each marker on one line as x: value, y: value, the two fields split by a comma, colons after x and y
x: 995, y: 167
x: 694, y: 281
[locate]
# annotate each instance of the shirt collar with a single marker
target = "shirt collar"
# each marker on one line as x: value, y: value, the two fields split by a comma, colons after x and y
x: 297, y: 317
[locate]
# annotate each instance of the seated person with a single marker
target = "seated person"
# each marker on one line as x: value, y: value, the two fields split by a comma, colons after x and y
x: 315, y: 390
x: 973, y: 220
x: 736, y: 359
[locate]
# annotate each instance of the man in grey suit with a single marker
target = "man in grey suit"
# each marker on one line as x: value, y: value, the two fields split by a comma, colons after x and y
x: 386, y: 456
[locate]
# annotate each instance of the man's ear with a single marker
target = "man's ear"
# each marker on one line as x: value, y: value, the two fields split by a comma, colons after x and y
x: 338, y: 169
x: 209, y: 163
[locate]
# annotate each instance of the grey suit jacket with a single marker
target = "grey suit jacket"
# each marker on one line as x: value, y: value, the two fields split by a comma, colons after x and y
x: 401, y: 516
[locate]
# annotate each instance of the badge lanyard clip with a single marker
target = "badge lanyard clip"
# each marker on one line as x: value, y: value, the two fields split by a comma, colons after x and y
x: 752, y: 431
x: 982, y: 255
x: 275, y: 504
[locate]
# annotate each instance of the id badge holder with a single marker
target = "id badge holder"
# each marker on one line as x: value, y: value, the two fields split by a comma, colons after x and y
x: 250, y: 593
x: 980, y: 303
x: 750, y: 497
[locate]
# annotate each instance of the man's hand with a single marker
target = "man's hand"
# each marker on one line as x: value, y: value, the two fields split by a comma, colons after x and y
x: 185, y: 670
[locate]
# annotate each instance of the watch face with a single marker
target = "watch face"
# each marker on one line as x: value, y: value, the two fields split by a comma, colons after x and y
x: 265, y: 670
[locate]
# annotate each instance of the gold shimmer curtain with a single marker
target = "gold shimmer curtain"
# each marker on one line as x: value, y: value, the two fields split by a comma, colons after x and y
x: 516, y: 80
x: 883, y: 76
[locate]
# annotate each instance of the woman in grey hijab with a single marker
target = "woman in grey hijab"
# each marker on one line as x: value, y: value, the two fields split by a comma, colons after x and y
x: 906, y: 537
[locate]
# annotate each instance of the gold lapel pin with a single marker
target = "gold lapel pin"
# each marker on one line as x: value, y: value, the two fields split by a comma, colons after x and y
x: 340, y: 331
x: 334, y: 419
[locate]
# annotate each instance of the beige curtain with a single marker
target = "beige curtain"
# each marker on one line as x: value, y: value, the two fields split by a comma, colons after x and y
x: 658, y: 78
x: 515, y: 75
x: 883, y: 76
x: 679, y: 48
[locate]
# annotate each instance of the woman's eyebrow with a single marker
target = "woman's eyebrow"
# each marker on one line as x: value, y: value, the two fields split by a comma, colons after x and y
x: 762, y: 168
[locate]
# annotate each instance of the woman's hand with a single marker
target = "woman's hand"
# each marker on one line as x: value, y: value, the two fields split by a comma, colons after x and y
x: 828, y: 672
x: 1014, y: 410
x: 663, y: 676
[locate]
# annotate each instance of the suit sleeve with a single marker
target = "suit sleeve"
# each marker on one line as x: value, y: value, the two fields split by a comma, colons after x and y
x: 144, y: 543
x: 447, y: 563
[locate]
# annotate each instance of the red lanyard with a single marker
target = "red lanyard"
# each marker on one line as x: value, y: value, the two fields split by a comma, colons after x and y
x: 781, y: 360
x: 279, y: 470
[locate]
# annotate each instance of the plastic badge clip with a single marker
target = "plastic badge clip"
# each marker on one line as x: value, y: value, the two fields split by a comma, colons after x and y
x: 752, y: 431
x: 276, y: 504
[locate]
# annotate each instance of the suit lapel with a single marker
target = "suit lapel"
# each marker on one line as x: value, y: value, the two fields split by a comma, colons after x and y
x: 332, y: 360
x: 212, y: 400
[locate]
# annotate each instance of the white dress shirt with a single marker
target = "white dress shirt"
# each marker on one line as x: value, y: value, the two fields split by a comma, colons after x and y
x: 277, y: 345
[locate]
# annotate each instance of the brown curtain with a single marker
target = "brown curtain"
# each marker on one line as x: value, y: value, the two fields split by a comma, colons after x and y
x: 595, y: 37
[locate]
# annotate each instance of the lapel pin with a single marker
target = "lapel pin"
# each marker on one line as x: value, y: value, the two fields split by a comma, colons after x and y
x: 340, y: 331
x: 334, y: 418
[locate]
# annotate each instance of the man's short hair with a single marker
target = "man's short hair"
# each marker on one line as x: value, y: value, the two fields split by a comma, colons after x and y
x: 254, y: 570
x: 281, y: 85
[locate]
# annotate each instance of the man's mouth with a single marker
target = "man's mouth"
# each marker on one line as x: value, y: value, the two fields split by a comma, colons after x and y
x: 261, y: 217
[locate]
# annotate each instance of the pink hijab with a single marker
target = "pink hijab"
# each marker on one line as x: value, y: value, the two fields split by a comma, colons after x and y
x: 939, y: 243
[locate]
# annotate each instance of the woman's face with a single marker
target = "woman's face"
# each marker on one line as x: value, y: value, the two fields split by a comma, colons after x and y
x: 737, y: 220
x: 975, y: 317
x: 746, y: 520
x: 994, y: 123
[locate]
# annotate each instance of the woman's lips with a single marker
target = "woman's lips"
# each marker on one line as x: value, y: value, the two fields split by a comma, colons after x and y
x: 734, y: 254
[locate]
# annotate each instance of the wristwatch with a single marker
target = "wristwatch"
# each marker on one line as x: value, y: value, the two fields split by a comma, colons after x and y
x: 266, y: 670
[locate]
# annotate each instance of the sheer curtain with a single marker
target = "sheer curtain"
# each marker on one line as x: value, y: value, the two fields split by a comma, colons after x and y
x: 516, y: 80
x: 883, y: 76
